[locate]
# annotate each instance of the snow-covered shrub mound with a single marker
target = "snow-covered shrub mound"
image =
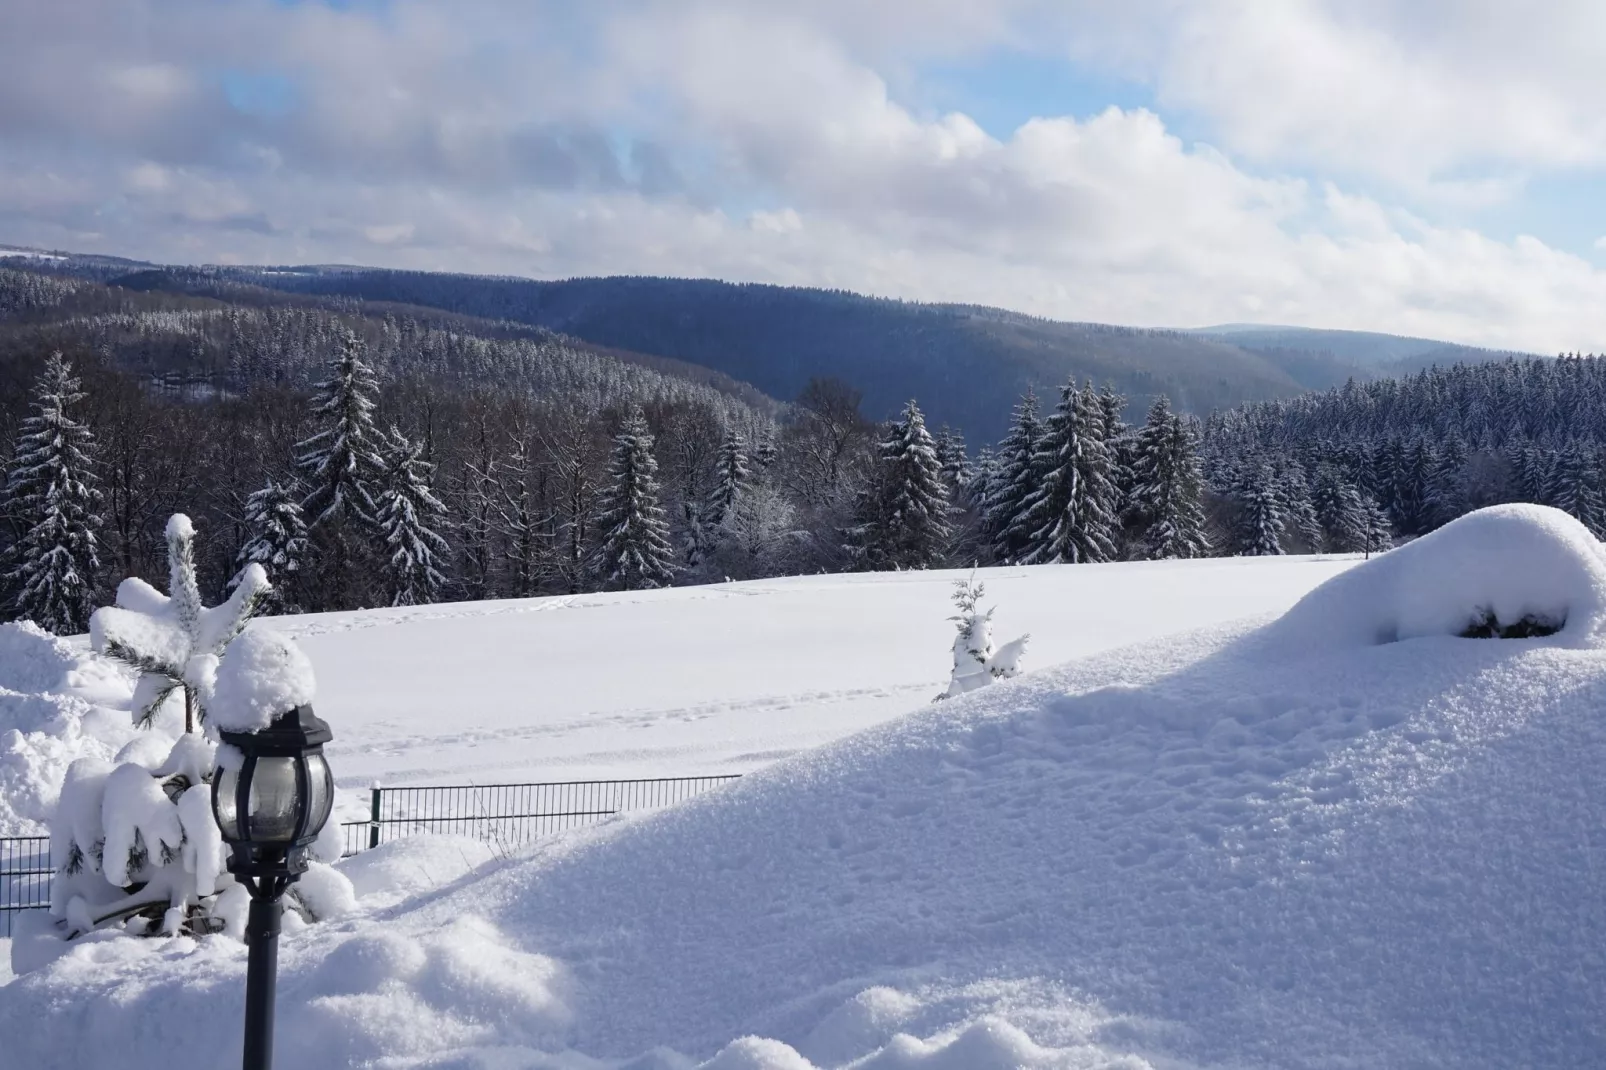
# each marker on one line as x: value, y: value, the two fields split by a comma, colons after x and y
x: 1210, y: 851
x: 57, y: 704
x: 1523, y: 569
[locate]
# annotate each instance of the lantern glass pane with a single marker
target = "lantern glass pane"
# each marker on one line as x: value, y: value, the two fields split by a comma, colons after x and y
x: 223, y: 803
x: 321, y: 794
x: 273, y: 801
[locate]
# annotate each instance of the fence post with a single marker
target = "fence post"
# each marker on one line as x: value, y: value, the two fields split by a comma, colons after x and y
x: 373, y: 815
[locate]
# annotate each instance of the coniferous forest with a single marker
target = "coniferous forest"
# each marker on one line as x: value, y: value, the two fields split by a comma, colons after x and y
x: 370, y: 455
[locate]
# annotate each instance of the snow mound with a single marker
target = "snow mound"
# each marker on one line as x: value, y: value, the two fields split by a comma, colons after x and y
x: 1509, y: 562
x: 33, y: 660
x: 262, y: 675
x: 57, y: 704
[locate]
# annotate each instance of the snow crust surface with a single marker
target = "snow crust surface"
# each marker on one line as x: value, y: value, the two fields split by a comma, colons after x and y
x: 1219, y: 849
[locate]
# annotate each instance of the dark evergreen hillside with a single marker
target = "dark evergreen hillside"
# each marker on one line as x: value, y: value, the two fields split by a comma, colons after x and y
x: 967, y: 363
x: 1424, y: 448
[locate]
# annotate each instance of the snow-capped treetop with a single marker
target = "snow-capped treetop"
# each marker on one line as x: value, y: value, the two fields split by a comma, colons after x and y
x: 179, y: 526
x: 262, y: 674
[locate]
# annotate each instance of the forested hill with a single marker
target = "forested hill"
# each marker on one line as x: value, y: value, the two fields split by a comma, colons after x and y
x: 967, y: 364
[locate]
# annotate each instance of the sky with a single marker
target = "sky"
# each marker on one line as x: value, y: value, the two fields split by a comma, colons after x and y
x: 1427, y: 167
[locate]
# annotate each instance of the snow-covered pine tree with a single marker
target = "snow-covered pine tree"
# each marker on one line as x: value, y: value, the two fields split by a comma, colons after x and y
x: 52, y: 498
x: 902, y: 520
x: 342, y: 465
x: 1015, y: 477
x: 764, y: 455
x: 1164, y: 518
x: 954, y: 461
x: 635, y: 552
x: 1260, y: 519
x: 1070, y: 517
x: 1339, y: 510
x: 1377, y: 533
x: 731, y: 477
x: 1298, y: 513
x: 1576, y: 486
x: 407, y: 515
x: 278, y: 543
x: 1118, y: 447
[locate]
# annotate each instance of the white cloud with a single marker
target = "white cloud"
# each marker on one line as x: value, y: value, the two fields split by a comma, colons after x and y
x: 562, y: 143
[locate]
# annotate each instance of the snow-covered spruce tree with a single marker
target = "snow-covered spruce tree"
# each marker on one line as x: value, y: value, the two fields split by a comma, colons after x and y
x: 976, y: 662
x: 902, y: 516
x: 1377, y: 533
x: 1015, y: 477
x: 1259, y: 521
x: 1070, y: 518
x: 167, y: 636
x: 53, y: 500
x: 1298, y: 513
x: 341, y: 465
x: 278, y: 543
x: 1339, y: 510
x: 635, y: 552
x: 1576, y: 486
x: 954, y: 461
x: 408, y: 514
x: 731, y: 478
x: 1118, y: 447
x: 1164, y: 518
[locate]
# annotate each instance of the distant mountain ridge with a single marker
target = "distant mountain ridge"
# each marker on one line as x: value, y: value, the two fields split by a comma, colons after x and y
x: 967, y: 364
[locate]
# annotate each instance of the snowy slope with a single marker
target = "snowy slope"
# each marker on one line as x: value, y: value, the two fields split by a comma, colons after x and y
x: 716, y: 679
x: 1297, y: 844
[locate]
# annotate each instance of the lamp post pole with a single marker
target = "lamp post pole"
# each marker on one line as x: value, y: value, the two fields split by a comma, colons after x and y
x: 261, y: 969
x: 271, y: 796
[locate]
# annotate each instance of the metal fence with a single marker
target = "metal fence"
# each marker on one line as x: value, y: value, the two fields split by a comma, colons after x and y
x: 24, y: 876
x: 505, y: 815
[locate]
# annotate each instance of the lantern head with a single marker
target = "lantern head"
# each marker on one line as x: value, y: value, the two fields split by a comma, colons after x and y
x: 272, y: 794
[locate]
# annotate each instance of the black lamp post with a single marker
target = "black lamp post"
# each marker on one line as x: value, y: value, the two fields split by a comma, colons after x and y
x: 270, y: 802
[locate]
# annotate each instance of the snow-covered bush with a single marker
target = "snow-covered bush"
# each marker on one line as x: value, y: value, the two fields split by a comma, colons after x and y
x: 977, y: 662
x: 135, y: 842
x: 1509, y: 571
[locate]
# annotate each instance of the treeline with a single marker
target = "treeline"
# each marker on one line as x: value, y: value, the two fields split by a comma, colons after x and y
x: 363, y: 491
x: 378, y: 460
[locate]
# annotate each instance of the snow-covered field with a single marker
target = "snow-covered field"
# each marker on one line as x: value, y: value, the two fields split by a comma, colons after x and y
x: 716, y: 679
x: 1339, y: 838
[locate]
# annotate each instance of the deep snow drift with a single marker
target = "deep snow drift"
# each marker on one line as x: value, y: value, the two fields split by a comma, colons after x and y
x: 1248, y: 846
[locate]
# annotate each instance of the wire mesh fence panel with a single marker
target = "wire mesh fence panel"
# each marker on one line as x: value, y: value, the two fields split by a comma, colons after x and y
x: 25, y: 873
x: 513, y: 814
x: 504, y: 815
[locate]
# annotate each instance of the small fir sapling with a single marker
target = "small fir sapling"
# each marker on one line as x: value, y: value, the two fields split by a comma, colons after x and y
x: 977, y: 662
x: 136, y: 841
x: 169, y: 637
